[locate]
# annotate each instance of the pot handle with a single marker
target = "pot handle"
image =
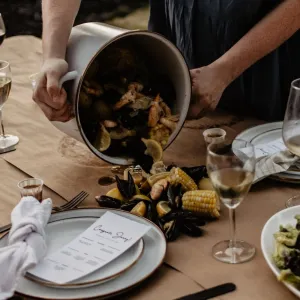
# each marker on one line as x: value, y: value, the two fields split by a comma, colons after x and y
x: 69, y: 76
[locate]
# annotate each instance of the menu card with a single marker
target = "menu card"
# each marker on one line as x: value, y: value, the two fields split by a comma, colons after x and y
x: 104, y: 241
x: 269, y: 148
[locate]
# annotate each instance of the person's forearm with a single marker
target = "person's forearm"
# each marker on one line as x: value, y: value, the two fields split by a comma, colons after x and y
x: 273, y: 30
x: 58, y: 19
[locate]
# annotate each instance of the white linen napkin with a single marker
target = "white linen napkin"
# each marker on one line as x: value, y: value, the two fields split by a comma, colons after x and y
x: 273, y: 164
x: 26, y: 242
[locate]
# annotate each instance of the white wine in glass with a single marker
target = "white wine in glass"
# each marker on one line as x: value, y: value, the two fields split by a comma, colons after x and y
x: 231, y: 168
x: 6, y: 141
x: 291, y: 128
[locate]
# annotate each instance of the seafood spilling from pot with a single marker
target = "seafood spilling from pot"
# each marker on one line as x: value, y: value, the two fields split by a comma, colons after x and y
x: 178, y: 200
x: 123, y: 102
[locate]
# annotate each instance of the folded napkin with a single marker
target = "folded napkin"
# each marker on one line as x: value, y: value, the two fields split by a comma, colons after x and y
x: 26, y: 242
x: 273, y: 164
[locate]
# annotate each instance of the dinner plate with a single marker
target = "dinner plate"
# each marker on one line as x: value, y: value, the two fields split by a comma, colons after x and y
x: 267, y: 133
x: 283, y: 217
x: 72, y: 228
x: 150, y: 260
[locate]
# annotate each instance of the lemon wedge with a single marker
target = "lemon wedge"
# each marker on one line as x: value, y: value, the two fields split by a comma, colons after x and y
x: 141, y: 197
x: 103, y: 139
x: 162, y: 208
x: 139, y: 209
x: 154, y: 149
x: 115, y: 193
x: 205, y: 184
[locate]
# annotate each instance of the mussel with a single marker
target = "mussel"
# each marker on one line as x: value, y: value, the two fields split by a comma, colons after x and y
x: 170, y: 167
x: 140, y: 207
x: 126, y: 187
x: 173, y: 220
x: 106, y: 201
x: 181, y: 221
x: 128, y: 206
x: 191, y: 230
x: 174, y: 195
x: 196, y: 173
x: 171, y: 230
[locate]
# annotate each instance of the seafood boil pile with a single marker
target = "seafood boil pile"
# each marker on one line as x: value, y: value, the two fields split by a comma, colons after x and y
x: 123, y: 103
x: 178, y: 200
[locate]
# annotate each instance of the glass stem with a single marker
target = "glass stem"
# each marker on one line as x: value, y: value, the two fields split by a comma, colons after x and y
x: 233, y: 233
x: 2, y: 125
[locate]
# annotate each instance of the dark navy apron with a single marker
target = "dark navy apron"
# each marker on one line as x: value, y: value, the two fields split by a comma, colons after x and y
x: 204, y: 30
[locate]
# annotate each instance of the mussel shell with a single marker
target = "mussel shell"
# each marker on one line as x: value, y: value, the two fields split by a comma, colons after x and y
x: 174, y: 195
x: 198, y: 221
x: 151, y: 213
x: 171, y: 230
x: 132, y: 119
x: 171, y: 196
x: 137, y: 149
x: 196, y: 173
x: 170, y: 167
x: 191, y: 230
x: 176, y: 215
x: 128, y: 206
x: 106, y: 201
x: 126, y: 188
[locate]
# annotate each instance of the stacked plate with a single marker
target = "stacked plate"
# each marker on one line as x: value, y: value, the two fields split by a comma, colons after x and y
x: 122, y: 274
x: 264, y: 134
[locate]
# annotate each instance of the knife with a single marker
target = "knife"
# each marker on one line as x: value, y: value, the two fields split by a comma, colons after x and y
x: 211, y: 292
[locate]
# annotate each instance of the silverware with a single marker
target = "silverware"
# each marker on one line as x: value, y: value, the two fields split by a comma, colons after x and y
x: 211, y: 292
x: 67, y: 206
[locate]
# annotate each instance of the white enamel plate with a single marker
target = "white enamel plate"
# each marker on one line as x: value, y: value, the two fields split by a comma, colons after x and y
x: 73, y: 227
x: 284, y: 217
x: 63, y: 227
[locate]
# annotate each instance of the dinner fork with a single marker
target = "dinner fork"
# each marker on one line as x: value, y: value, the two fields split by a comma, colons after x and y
x: 67, y: 206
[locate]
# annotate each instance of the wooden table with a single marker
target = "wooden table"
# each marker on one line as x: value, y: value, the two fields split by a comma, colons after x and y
x: 67, y: 167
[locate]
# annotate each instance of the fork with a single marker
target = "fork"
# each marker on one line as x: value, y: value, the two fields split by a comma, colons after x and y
x: 67, y: 206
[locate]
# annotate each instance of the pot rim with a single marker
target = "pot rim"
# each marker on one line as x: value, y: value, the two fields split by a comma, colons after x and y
x: 128, y: 161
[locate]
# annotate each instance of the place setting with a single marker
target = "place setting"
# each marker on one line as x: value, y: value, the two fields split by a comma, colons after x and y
x: 77, y: 253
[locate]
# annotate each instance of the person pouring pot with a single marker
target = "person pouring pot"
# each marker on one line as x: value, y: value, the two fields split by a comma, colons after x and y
x: 242, y: 54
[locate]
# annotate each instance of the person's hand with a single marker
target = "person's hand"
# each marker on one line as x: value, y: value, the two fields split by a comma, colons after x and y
x: 208, y: 85
x: 48, y: 95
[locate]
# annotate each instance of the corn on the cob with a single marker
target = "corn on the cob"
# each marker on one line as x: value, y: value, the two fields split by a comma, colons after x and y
x: 205, y: 202
x: 177, y: 176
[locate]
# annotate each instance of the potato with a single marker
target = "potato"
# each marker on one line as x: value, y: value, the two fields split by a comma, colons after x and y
x: 205, y: 184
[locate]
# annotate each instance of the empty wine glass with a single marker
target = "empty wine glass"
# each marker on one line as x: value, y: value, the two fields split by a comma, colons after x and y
x: 291, y: 127
x: 6, y: 141
x: 2, y: 30
x: 231, y: 168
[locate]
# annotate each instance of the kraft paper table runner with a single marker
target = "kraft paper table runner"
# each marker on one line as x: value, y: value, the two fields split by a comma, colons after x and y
x: 10, y: 195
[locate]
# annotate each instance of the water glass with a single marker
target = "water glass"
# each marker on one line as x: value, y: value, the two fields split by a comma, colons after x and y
x: 31, y: 187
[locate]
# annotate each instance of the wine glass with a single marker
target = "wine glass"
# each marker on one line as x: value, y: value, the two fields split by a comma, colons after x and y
x: 291, y: 127
x: 2, y: 30
x: 6, y: 141
x: 231, y: 168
